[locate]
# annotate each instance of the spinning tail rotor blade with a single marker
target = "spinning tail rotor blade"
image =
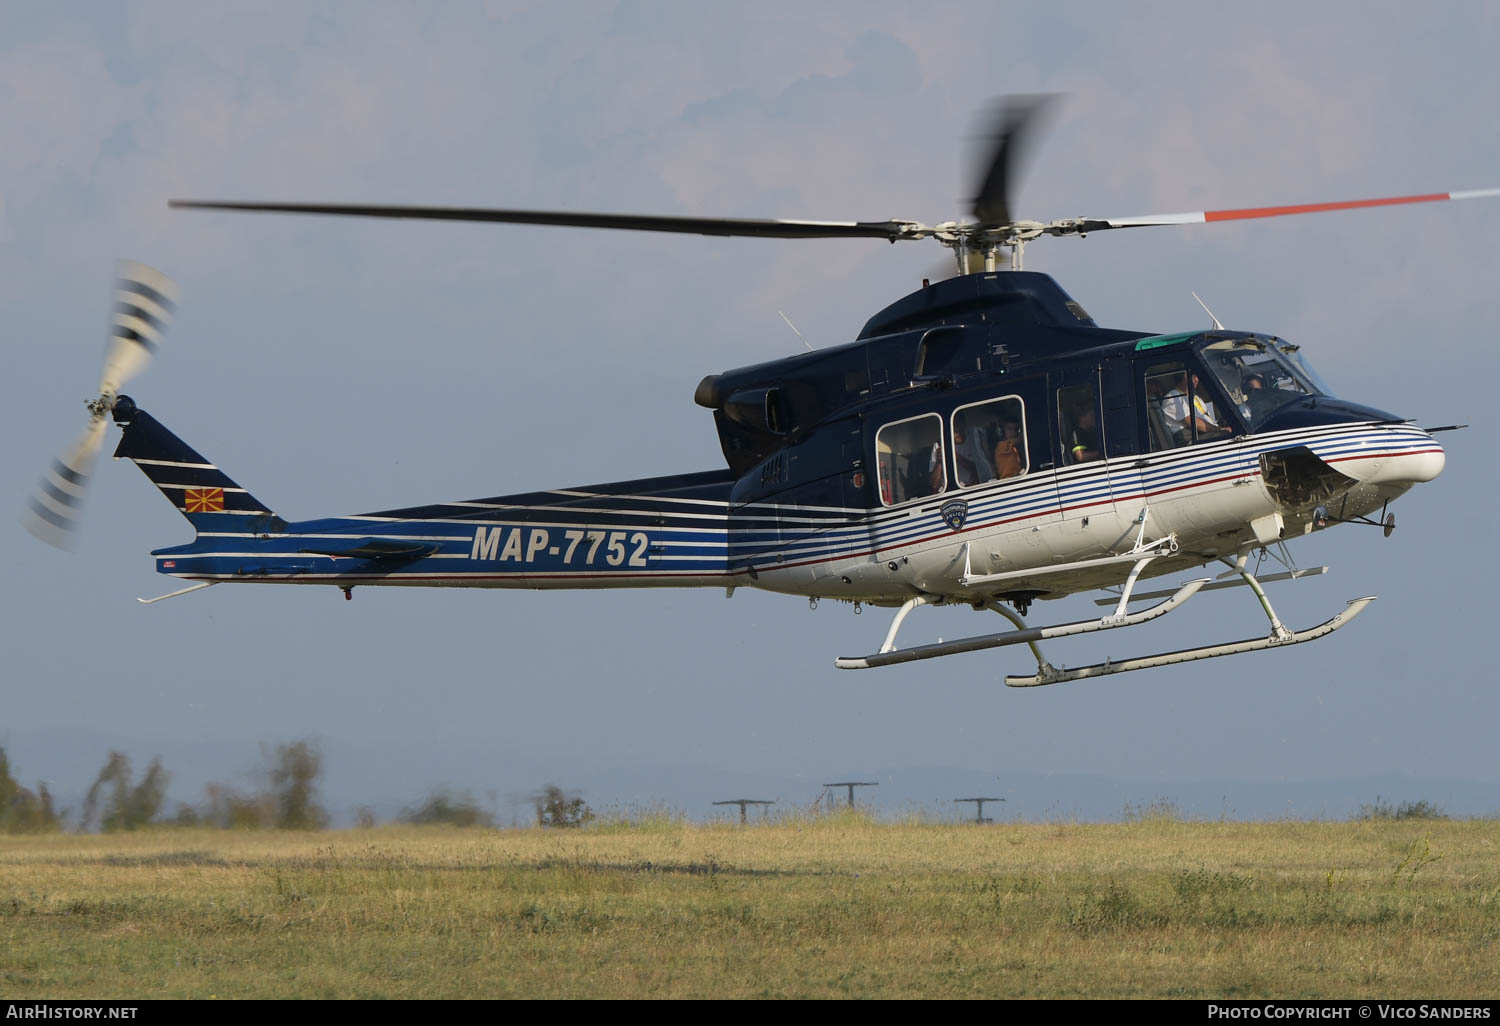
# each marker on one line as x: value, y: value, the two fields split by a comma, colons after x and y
x: 145, y: 300
x: 53, y: 513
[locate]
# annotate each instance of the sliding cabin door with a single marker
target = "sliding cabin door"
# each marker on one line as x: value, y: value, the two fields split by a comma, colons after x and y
x: 1079, y: 443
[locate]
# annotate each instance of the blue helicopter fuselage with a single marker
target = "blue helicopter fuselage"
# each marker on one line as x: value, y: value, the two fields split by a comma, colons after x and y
x: 977, y: 428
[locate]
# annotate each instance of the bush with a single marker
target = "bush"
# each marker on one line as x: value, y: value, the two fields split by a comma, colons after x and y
x: 286, y: 799
x: 558, y: 808
x: 1406, y: 810
x: 1158, y: 811
x: 230, y: 809
x: 444, y: 805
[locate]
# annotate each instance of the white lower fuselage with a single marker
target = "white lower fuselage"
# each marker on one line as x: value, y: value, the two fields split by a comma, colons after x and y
x: 1210, y: 496
x: 1213, y: 499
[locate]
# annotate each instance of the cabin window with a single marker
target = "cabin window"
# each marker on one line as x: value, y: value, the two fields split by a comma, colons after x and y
x: 1078, y: 424
x: 909, y: 454
x: 1181, y: 409
x: 989, y: 441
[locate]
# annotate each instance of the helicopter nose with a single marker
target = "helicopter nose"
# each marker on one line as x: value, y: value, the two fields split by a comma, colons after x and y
x: 1406, y: 456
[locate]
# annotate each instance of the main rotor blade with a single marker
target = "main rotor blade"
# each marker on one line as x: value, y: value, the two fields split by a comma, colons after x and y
x: 774, y: 229
x: 1088, y: 224
x: 57, y: 504
x: 1015, y: 120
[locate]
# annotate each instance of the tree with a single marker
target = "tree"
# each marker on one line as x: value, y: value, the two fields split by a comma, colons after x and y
x: 558, y: 808
x: 23, y: 810
x: 124, y: 807
x: 294, y: 786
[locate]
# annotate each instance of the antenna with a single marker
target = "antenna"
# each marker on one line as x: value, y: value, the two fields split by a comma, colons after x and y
x: 852, y: 784
x: 979, y: 817
x: 1217, y: 325
x: 789, y: 324
x: 742, y: 802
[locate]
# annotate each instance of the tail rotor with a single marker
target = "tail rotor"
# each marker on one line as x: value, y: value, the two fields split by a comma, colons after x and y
x: 145, y: 300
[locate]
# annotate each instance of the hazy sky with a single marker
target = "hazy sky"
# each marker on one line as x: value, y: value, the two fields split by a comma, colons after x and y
x: 336, y: 366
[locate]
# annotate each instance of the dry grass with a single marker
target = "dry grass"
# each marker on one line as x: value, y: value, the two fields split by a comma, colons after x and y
x: 830, y: 907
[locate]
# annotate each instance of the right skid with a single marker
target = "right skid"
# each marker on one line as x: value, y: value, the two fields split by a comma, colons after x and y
x: 1278, y: 638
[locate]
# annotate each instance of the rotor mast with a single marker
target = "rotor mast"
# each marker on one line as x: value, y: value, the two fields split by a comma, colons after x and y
x: 978, y: 248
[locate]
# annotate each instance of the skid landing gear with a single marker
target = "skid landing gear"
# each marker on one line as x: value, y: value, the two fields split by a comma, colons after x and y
x: 1023, y: 635
x: 1046, y: 673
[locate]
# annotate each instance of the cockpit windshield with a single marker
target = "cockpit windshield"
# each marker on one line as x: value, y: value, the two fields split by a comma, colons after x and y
x: 1260, y: 374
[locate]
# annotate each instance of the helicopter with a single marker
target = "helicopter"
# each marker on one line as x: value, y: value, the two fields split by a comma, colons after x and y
x: 981, y: 442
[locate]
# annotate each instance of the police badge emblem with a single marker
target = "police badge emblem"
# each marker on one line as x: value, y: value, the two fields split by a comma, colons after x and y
x: 954, y: 513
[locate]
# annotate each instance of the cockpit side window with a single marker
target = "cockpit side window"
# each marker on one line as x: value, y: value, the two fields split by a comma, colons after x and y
x: 1167, y: 424
x: 909, y: 458
x: 989, y: 441
x: 1181, y: 409
x: 1258, y: 376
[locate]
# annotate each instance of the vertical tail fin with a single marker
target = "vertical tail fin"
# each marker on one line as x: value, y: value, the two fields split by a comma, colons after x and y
x: 197, y: 488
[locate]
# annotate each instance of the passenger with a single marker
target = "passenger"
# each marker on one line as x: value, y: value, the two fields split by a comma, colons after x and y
x: 971, y: 461
x: 1009, y: 457
x: 1084, y: 440
x: 935, y: 475
x: 1013, y: 435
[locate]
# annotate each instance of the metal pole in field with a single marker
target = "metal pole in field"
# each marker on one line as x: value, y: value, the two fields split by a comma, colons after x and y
x: 852, y: 784
x: 979, y: 816
x: 742, y: 802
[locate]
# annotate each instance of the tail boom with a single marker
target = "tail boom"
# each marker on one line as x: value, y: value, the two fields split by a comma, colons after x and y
x: 661, y: 532
x: 658, y: 532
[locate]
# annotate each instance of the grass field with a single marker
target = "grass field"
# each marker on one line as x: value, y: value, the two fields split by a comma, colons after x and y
x: 831, y: 907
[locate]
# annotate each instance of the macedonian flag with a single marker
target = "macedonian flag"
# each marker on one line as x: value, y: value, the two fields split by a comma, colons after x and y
x: 203, y: 500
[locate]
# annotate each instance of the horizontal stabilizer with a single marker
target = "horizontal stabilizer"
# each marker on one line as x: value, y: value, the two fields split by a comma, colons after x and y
x: 375, y: 548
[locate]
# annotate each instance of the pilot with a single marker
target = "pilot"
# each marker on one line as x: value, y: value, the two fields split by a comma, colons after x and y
x: 1009, y: 459
x: 1258, y: 401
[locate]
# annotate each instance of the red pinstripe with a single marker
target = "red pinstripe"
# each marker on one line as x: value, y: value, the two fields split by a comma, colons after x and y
x: 1313, y: 208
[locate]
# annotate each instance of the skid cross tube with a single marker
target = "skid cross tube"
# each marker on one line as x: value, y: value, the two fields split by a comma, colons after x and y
x: 1291, y: 575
